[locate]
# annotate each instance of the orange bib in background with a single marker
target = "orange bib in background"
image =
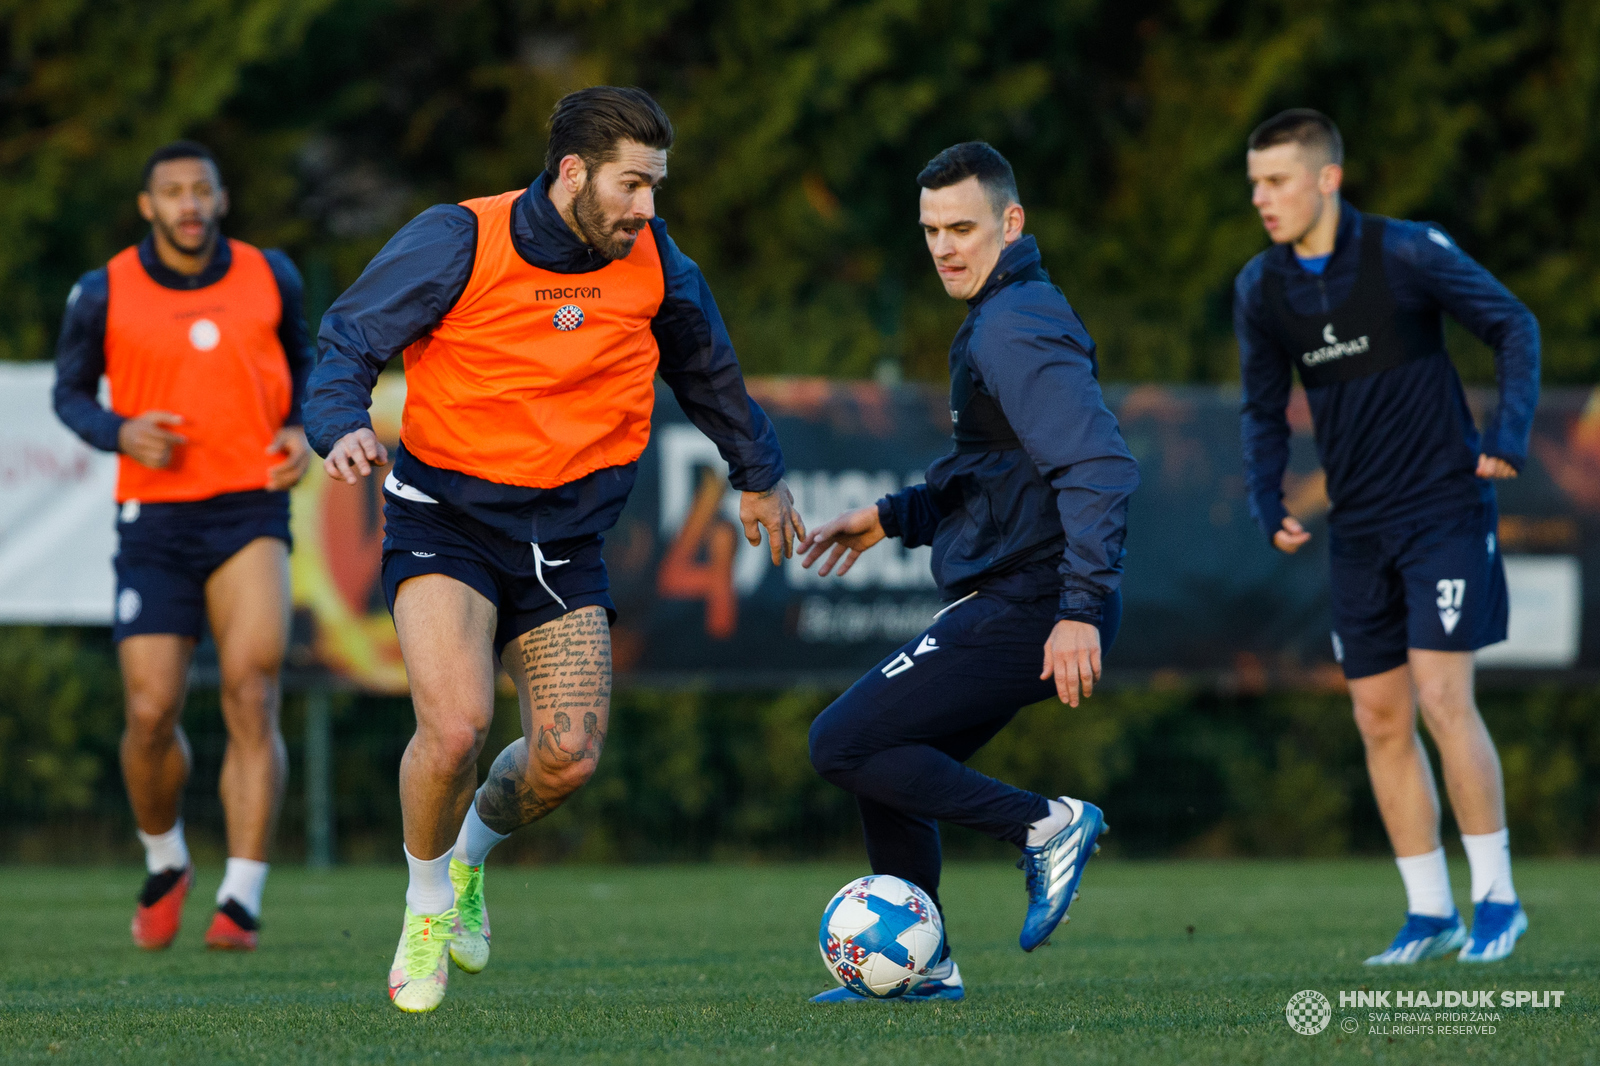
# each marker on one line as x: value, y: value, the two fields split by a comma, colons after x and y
x: 536, y: 378
x: 211, y: 355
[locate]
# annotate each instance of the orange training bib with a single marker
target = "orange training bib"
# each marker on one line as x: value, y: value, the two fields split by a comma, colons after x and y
x: 211, y: 355
x: 536, y: 378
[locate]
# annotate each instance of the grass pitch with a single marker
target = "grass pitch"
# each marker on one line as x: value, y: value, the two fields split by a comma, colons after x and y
x: 1162, y: 963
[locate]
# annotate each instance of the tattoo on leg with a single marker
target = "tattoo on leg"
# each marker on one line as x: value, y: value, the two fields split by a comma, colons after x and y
x: 507, y: 801
x: 554, y: 743
x: 567, y: 669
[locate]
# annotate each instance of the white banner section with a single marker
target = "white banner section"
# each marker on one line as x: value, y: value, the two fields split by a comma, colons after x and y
x: 1546, y: 613
x: 57, y: 514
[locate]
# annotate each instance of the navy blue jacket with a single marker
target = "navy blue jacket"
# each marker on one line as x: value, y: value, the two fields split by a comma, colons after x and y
x: 417, y: 278
x: 81, y: 351
x: 1046, y: 518
x: 1426, y: 271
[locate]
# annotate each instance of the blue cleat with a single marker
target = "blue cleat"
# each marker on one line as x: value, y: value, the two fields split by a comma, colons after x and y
x: 1495, y: 929
x: 1053, y: 870
x: 945, y: 986
x: 1423, y: 937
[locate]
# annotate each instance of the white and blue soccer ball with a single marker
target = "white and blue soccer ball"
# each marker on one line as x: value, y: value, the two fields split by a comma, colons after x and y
x: 880, y: 936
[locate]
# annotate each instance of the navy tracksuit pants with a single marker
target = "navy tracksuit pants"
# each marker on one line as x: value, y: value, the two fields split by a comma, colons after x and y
x: 899, y: 737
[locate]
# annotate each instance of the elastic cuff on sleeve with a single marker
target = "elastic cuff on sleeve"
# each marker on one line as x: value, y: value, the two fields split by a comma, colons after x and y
x: 1079, y: 605
x: 1517, y: 462
x: 887, y: 519
x: 107, y: 433
x: 746, y: 481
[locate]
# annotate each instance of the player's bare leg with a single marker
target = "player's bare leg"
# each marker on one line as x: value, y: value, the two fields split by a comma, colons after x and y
x: 155, y: 751
x: 1402, y: 778
x: 155, y: 767
x: 247, y: 599
x: 446, y: 632
x: 1408, y: 800
x: 1466, y: 753
x: 562, y: 671
x: 1471, y: 766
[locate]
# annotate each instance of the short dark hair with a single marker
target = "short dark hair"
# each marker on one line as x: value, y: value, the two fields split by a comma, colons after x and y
x: 973, y: 159
x: 1302, y: 126
x: 590, y: 122
x: 177, y: 150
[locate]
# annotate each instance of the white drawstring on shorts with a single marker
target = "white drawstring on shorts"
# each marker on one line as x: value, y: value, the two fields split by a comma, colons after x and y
x: 945, y: 608
x: 539, y: 563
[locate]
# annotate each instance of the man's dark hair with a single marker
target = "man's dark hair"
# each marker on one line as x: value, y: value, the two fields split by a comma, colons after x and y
x: 973, y: 159
x: 178, y: 150
x: 590, y: 122
x: 1300, y: 125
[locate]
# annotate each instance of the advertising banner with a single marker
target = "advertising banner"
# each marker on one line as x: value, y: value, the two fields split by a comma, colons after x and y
x: 1204, y: 594
x: 57, y: 517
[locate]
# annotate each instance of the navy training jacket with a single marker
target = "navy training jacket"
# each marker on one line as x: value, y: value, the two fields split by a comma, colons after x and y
x: 1427, y: 428
x: 1048, y: 517
x: 81, y: 351
x: 416, y: 279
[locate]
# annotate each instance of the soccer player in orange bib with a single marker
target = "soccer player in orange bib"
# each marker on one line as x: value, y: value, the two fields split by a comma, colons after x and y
x: 532, y: 325
x: 204, y: 344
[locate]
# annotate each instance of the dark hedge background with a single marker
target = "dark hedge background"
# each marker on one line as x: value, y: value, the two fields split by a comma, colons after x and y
x: 693, y: 776
x: 801, y: 126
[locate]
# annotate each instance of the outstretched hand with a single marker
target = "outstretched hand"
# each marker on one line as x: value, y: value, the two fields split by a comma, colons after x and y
x: 354, y: 456
x: 1072, y: 657
x: 772, y: 510
x: 848, y: 536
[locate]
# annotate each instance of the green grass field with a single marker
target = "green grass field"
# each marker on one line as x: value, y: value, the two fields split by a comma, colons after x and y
x: 714, y: 963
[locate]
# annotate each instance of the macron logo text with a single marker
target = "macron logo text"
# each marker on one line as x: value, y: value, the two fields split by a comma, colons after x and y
x: 578, y: 293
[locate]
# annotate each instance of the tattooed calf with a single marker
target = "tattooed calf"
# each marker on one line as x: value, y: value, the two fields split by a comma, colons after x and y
x: 566, y: 671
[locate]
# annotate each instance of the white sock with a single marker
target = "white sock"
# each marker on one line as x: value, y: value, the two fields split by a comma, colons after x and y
x: 1489, y: 857
x: 943, y: 971
x: 1427, y: 881
x: 165, y: 851
x: 242, y: 881
x: 430, y: 891
x: 476, y: 839
x: 1063, y: 812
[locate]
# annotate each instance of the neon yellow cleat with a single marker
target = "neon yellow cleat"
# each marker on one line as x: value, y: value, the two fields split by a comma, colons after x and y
x: 469, y: 944
x: 420, y: 970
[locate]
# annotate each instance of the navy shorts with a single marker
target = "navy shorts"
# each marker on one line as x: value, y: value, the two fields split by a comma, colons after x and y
x: 528, y: 584
x: 167, y: 551
x: 1437, y: 586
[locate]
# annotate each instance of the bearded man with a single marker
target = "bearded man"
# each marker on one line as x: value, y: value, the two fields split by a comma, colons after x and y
x: 533, y: 324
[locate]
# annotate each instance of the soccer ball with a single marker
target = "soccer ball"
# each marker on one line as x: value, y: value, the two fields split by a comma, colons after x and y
x: 880, y: 936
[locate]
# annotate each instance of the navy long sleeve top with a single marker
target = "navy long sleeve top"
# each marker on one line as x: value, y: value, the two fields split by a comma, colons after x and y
x: 1426, y: 272
x: 81, y: 351
x: 1050, y: 516
x: 416, y: 279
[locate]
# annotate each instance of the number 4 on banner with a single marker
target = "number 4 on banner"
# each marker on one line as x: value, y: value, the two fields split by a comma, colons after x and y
x: 699, y: 563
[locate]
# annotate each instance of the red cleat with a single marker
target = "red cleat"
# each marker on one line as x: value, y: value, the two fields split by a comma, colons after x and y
x: 232, y: 929
x: 160, y: 910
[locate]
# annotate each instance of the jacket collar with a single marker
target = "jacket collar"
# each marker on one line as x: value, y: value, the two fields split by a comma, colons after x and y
x: 1346, y: 242
x: 543, y: 238
x: 167, y: 278
x: 1018, y: 256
